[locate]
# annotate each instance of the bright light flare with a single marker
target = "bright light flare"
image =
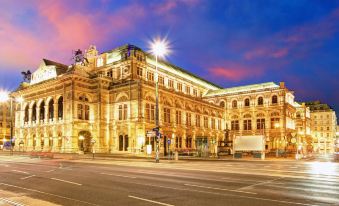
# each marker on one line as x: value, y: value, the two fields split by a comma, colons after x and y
x: 159, y: 47
x: 4, y: 96
x: 324, y: 168
x: 19, y: 99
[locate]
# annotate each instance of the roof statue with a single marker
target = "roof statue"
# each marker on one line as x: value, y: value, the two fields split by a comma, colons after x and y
x: 79, y: 58
x: 27, y: 75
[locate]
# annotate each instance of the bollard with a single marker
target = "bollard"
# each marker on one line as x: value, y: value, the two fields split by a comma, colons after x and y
x: 176, y: 156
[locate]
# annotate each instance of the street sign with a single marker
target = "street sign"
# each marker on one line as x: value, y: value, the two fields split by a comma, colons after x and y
x: 169, y: 141
x: 156, y: 129
x: 151, y: 134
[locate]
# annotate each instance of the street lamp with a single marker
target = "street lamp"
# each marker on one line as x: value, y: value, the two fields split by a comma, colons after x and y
x: 159, y: 48
x: 4, y: 97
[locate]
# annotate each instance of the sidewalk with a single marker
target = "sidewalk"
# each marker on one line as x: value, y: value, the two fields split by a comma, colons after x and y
x: 131, y: 156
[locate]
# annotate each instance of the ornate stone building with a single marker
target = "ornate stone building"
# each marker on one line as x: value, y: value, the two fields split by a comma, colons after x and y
x: 107, y: 103
x: 261, y: 109
x: 303, y: 128
x: 4, y: 123
x: 323, y: 126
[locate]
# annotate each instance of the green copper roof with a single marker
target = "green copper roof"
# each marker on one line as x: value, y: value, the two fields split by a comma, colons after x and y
x: 232, y: 90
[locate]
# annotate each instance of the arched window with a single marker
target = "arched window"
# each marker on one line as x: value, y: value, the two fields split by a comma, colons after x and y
x: 222, y: 104
x: 274, y: 99
x: 247, y: 102
x: 26, y: 114
x: 260, y: 101
x: 234, y: 104
x: 83, y: 108
x: 60, y: 107
x: 247, y: 122
x: 34, y: 112
x: 42, y: 111
x: 51, y: 109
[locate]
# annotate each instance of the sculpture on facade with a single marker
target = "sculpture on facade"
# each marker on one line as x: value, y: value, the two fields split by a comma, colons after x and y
x: 79, y: 58
x: 27, y: 76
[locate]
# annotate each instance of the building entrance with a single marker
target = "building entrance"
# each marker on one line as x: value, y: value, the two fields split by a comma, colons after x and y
x: 123, y: 143
x: 85, y: 141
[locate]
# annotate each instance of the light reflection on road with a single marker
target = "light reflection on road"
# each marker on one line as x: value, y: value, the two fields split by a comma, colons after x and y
x: 324, y: 168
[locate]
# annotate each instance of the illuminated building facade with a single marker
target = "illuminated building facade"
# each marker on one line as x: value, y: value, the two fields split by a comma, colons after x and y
x: 262, y: 109
x: 4, y: 123
x: 323, y: 127
x: 303, y: 128
x: 108, y: 105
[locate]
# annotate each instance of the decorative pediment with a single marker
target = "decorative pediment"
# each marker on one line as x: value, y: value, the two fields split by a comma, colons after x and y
x: 47, y: 70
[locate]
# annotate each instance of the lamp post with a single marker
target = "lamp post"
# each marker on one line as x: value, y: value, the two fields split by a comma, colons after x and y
x: 5, y: 97
x: 159, y: 48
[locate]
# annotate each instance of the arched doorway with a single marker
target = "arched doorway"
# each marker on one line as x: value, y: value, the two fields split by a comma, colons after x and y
x: 84, y: 141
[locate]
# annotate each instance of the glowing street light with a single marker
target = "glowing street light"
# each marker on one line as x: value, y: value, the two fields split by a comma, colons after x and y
x: 4, y: 96
x: 159, y: 48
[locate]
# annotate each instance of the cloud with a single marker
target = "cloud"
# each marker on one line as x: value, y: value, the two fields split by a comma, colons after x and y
x: 60, y: 28
x: 289, y: 41
x: 234, y: 71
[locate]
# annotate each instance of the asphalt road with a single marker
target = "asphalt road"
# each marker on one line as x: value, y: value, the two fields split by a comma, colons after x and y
x: 25, y: 181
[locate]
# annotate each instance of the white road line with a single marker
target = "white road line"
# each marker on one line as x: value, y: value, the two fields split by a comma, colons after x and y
x: 216, y: 188
x: 50, y: 171
x: 23, y: 178
x: 147, y: 200
x: 10, y: 202
x: 50, y: 194
x: 19, y: 171
x: 74, y: 183
x: 241, y: 180
x: 261, y: 183
x: 118, y: 175
x: 227, y: 194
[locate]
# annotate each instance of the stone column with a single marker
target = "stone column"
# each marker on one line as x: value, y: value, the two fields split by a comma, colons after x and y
x: 46, y: 114
x: 30, y: 116
x: 55, y: 116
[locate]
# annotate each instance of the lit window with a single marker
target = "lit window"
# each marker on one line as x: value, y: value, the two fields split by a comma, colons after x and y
x: 234, y: 104
x: 247, y: 124
x: 178, y: 117
x: 247, y: 102
x: 139, y: 71
x: 170, y: 83
x: 179, y: 87
x: 260, y: 101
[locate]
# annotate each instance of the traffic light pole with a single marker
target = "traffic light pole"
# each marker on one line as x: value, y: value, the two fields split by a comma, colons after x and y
x: 11, y: 125
x: 156, y: 110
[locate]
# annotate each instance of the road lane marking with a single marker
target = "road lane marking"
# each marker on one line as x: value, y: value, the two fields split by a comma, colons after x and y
x: 147, y: 200
x: 118, y: 175
x: 232, y: 195
x: 74, y: 183
x: 261, y: 183
x: 50, y: 171
x: 23, y: 178
x: 216, y: 188
x: 308, y: 189
x: 19, y: 171
x: 239, y: 180
x: 50, y: 194
x: 10, y: 202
